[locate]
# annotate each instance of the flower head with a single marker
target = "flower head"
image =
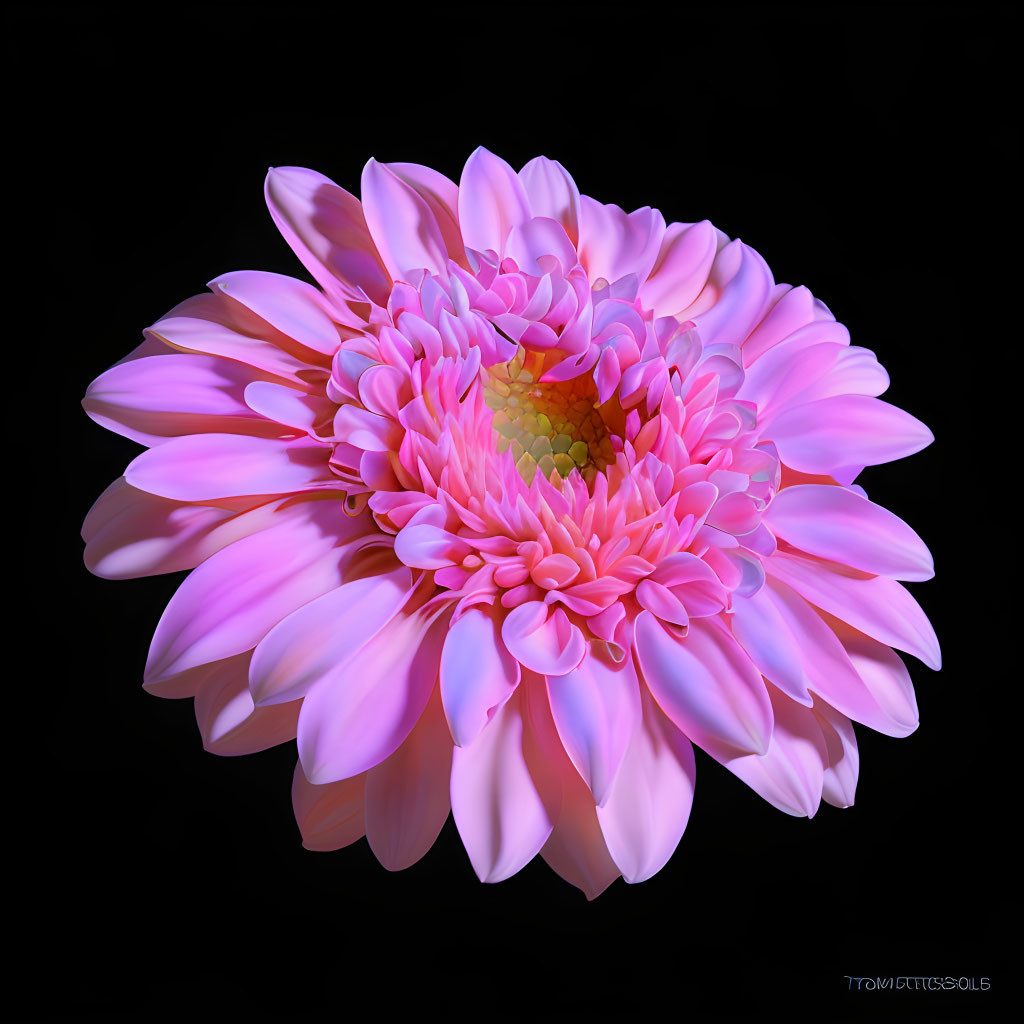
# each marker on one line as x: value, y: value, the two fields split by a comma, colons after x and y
x: 528, y: 496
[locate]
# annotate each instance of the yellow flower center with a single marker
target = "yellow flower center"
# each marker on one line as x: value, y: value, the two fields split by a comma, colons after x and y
x: 554, y: 427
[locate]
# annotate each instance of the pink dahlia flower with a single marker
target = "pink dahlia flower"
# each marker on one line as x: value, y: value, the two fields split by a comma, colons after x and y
x: 524, y: 498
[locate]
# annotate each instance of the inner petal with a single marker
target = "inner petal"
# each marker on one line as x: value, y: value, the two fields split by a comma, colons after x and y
x: 552, y: 427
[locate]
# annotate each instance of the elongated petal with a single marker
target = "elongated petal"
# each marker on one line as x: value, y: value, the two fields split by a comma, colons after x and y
x: 706, y: 685
x: 682, y: 268
x: 614, y: 243
x: 293, y: 307
x: 331, y: 816
x: 492, y: 201
x: 500, y: 815
x: 407, y: 794
x: 830, y: 670
x: 878, y: 606
x: 202, y: 467
x: 404, y: 228
x: 790, y: 775
x: 551, y: 192
x: 229, y: 722
x: 846, y: 430
x: 319, y: 638
x: 326, y: 229
x: 234, y: 598
x: 649, y: 805
x: 759, y: 627
x: 130, y: 533
x: 840, y: 525
x: 839, y: 784
x: 596, y: 709
x: 154, y: 398
x: 352, y: 720
x: 477, y: 673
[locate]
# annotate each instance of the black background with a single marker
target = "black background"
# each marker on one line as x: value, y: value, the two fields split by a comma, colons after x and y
x: 864, y: 151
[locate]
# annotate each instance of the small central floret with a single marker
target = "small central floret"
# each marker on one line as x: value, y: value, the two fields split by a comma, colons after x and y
x: 551, y: 427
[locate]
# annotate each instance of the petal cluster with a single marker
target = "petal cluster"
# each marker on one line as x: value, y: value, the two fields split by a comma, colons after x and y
x: 523, y: 499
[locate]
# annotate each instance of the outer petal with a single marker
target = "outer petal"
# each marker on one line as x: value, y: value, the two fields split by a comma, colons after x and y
x: 682, y: 268
x: 614, y: 243
x: 596, y: 709
x: 130, y: 533
x: 477, y: 673
x: 441, y: 194
x: 204, y: 467
x: 407, y: 794
x: 325, y: 227
x: 293, y: 307
x: 329, y: 817
x: 878, y: 606
x: 319, y: 638
x: 234, y: 598
x: 706, y: 685
x: 403, y: 226
x: 153, y: 398
x: 840, y: 525
x: 229, y: 721
x: 840, y: 779
x: 491, y: 201
x: 790, y: 775
x: 649, y: 804
x: 551, y: 192
x: 352, y: 720
x: 846, y: 430
x: 501, y: 817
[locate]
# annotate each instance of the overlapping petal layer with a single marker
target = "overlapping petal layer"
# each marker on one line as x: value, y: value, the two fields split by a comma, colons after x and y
x: 526, y: 497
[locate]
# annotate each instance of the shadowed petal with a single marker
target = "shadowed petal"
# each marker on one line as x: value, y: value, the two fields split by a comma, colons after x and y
x: 407, y: 794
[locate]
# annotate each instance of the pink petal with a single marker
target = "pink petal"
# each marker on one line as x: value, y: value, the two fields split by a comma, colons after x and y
x: 743, y: 299
x: 491, y: 201
x: 885, y: 676
x: 477, y: 673
x: 228, y: 720
x: 319, y: 638
x: 325, y: 227
x: 500, y: 815
x: 548, y: 644
x: 288, y: 409
x: 762, y: 632
x: 840, y: 780
x: 329, y: 817
x: 228, y: 604
x: 407, y: 794
x: 649, y: 804
x: 551, y: 192
x: 215, y: 325
x: 537, y: 237
x: 790, y: 775
x: 840, y: 525
x: 846, y: 430
x: 131, y: 533
x: 201, y: 467
x: 404, y: 228
x: 706, y: 685
x: 682, y: 267
x: 153, y: 398
x: 353, y: 720
x: 613, y: 243
x: 596, y: 709
x: 294, y: 308
x: 879, y: 607
x: 441, y: 194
